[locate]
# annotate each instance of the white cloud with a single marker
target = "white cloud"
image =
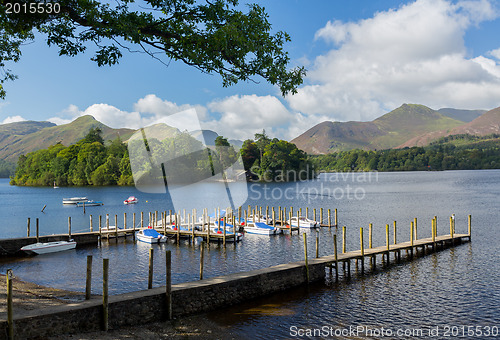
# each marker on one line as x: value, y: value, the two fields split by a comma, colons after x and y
x: 415, y: 53
x: 243, y: 116
x: 13, y: 119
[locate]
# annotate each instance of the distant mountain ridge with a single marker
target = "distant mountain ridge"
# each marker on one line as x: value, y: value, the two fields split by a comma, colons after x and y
x: 385, y: 132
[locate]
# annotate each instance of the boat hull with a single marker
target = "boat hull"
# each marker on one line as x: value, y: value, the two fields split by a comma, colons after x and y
x: 49, y: 247
x: 149, y: 239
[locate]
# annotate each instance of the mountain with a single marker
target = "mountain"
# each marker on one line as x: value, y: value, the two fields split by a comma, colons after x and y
x: 463, y: 115
x: 388, y: 131
x: 23, y: 137
x: 486, y: 124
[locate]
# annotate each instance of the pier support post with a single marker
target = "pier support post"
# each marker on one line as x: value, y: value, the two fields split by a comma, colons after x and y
x: 28, y: 231
x: 168, y: 284
x: 336, y: 220
x: 411, y: 239
x: 37, y: 231
x: 362, y: 250
x: 305, y: 257
x: 469, y: 222
x: 202, y: 252
x: 387, y: 241
x: 329, y: 219
x: 91, y: 224
x: 150, y: 273
x: 343, y: 239
x: 10, y: 321
x: 69, y: 227
x: 317, y: 244
x: 88, y: 281
x: 370, y: 227
x: 336, y: 257
x: 105, y: 306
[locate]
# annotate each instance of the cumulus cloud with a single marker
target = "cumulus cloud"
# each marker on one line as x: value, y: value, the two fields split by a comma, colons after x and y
x: 243, y: 116
x: 415, y: 53
x: 13, y: 119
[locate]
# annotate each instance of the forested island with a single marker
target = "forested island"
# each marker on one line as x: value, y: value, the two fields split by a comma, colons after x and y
x: 92, y: 161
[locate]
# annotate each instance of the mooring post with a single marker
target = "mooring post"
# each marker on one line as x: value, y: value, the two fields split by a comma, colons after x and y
x: 100, y: 228
x: 178, y: 226
x: 317, y: 244
x: 105, y: 310
x: 142, y: 219
x: 116, y: 227
x: 314, y: 213
x: 150, y: 273
x: 395, y: 233
x: 10, y: 321
x: 411, y: 239
x: 436, y: 224
x: 336, y: 257
x: 91, y: 224
x: 307, y: 212
x: 336, y: 220
x: 37, y: 231
x: 224, y: 232
x: 305, y: 256
x: 202, y: 252
x: 362, y: 250
x: 69, y: 227
x: 168, y: 284
x: 387, y: 241
x: 107, y: 227
x: 329, y: 219
x: 29, y: 221
x: 370, y: 227
x: 133, y: 225
x: 415, y: 225
x: 125, y: 223
x: 469, y: 218
x: 343, y: 239
x: 88, y: 281
x: 433, y: 232
x: 321, y: 216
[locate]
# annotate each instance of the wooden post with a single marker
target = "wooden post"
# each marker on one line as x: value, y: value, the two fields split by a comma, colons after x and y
x: 178, y: 226
x: 387, y: 240
x: 343, y: 239
x: 69, y: 227
x: 88, y: 281
x: 125, y: 221
x: 433, y: 231
x: 362, y: 250
x: 150, y: 273
x: 116, y: 227
x: 395, y: 233
x: 321, y: 216
x: 336, y: 220
x: 274, y: 218
x: 412, y: 229
x: 100, y: 228
x: 224, y: 232
x: 105, y: 276
x: 436, y: 224
x: 451, y: 227
x: 37, y: 231
x: 142, y: 219
x: 370, y: 236
x: 133, y: 223
x: 10, y: 321
x: 29, y: 221
x: 314, y: 213
x: 168, y: 284
x: 202, y: 251
x: 317, y: 244
x: 307, y: 212
x: 192, y: 226
x: 329, y: 219
x: 305, y: 256
x: 415, y: 225
x: 469, y: 219
x: 336, y: 257
x: 91, y: 224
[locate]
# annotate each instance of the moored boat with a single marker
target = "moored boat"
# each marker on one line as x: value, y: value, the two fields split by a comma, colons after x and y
x: 74, y: 200
x: 302, y: 222
x: 48, y: 247
x: 89, y: 203
x: 260, y: 228
x: 131, y: 200
x: 150, y: 236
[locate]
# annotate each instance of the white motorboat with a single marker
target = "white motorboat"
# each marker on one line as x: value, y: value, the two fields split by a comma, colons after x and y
x: 74, y: 200
x: 260, y: 228
x: 89, y: 203
x: 150, y: 236
x: 48, y: 247
x: 131, y: 200
x: 302, y: 222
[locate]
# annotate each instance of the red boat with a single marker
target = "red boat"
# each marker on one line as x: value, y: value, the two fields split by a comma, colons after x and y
x: 131, y: 200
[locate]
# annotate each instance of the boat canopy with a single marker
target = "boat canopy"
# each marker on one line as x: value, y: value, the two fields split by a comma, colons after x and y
x: 151, y: 233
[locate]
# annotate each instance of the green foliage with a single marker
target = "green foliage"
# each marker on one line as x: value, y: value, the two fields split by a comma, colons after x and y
x: 212, y: 36
x: 7, y: 169
x: 460, y: 152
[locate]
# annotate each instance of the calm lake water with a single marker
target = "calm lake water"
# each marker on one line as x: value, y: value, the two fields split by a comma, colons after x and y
x: 452, y: 288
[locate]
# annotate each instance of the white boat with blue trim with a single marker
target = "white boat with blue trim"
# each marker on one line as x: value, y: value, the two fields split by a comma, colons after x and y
x: 48, y: 247
x: 150, y: 235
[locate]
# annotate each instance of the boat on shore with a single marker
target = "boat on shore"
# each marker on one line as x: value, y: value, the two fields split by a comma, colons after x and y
x: 74, y: 200
x: 131, y: 200
x: 48, y: 247
x: 89, y: 203
x: 150, y: 236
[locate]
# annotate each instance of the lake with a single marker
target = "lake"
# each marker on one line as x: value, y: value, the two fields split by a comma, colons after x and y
x: 453, y: 288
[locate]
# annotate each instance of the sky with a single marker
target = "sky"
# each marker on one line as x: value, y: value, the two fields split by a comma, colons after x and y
x: 363, y: 59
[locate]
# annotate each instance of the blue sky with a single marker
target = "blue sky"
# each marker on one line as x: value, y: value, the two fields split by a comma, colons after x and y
x: 364, y: 58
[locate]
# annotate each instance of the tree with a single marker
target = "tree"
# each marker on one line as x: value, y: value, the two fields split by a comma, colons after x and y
x: 213, y: 36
